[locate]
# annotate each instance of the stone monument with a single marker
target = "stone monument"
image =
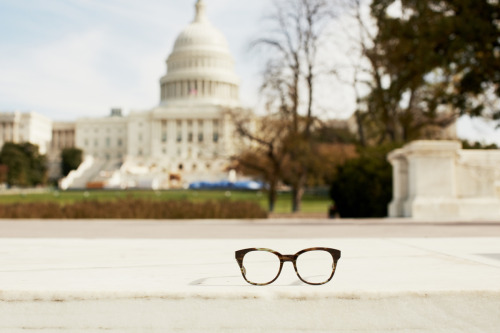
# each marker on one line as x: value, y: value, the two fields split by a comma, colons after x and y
x: 440, y: 180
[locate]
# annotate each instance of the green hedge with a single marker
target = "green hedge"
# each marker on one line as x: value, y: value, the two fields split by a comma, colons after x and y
x: 134, y: 209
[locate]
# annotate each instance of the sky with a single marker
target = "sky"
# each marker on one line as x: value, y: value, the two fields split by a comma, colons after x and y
x: 68, y: 59
x: 72, y: 58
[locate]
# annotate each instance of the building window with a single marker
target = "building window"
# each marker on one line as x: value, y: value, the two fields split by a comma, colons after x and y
x: 96, y: 143
x: 140, y: 136
x: 86, y: 143
x: 120, y: 142
x: 200, y: 137
x: 108, y: 142
x: 190, y: 130
x: 179, y: 131
x: 216, y: 131
x: 164, y: 136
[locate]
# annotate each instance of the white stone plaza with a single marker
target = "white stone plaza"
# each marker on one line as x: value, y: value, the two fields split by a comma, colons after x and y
x: 184, y: 278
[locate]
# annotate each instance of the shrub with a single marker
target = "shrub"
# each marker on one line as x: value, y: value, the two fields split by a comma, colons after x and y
x: 135, y: 209
x: 363, y: 185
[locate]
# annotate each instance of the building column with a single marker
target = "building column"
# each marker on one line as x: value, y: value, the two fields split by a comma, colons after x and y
x: 209, y: 133
x: 399, y: 183
x: 170, y: 136
x: 184, y: 142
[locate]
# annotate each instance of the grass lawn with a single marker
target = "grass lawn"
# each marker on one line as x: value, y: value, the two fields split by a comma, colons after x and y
x: 310, y: 204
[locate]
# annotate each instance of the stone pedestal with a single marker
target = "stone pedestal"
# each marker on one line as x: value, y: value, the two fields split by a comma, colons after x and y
x: 437, y: 179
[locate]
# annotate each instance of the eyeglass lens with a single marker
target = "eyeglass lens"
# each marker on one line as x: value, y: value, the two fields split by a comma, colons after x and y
x: 261, y: 266
x: 315, y: 266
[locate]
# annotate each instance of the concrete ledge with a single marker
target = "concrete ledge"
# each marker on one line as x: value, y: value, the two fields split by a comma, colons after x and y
x: 179, y: 285
x: 381, y: 312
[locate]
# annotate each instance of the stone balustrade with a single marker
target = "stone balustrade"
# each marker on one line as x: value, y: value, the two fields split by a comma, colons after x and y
x: 439, y: 179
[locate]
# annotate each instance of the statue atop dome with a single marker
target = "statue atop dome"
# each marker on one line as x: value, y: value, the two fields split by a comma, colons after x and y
x: 200, y: 11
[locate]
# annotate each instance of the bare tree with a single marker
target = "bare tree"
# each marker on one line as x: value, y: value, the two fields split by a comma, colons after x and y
x: 264, y: 153
x: 296, y: 34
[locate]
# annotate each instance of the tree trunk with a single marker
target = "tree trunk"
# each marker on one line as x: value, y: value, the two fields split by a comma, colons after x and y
x: 361, y: 130
x: 298, y: 193
x: 272, y: 195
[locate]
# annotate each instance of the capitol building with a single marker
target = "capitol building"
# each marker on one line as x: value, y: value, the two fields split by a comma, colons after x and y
x: 189, y: 136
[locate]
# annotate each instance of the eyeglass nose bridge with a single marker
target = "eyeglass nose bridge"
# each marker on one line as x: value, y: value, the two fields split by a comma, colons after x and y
x: 288, y: 257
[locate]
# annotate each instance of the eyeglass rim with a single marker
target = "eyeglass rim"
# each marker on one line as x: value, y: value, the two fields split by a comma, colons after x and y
x: 240, y: 254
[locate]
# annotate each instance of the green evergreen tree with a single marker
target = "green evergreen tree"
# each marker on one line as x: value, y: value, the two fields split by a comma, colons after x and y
x: 26, y: 167
x: 440, y: 53
x: 71, y: 158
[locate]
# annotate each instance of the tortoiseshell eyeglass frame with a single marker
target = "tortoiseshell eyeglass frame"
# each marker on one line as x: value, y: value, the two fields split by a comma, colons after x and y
x: 240, y: 254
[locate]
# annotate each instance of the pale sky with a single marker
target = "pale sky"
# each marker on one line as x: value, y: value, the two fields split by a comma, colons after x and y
x: 72, y: 58
x: 68, y: 59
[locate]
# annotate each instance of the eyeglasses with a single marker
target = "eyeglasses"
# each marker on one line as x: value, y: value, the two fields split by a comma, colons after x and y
x: 261, y: 267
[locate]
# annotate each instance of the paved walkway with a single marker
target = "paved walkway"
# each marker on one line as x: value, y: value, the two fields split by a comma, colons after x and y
x: 221, y: 229
x: 401, y: 285
x: 396, y: 276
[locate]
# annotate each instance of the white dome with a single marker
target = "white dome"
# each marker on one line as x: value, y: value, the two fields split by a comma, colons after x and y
x: 200, y: 34
x: 200, y: 66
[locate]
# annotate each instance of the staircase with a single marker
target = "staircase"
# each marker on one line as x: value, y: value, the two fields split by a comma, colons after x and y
x: 86, y: 172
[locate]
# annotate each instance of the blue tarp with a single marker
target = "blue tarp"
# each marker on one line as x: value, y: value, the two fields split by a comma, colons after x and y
x: 227, y: 185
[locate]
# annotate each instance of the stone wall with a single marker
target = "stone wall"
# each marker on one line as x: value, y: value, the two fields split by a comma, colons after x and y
x: 440, y: 180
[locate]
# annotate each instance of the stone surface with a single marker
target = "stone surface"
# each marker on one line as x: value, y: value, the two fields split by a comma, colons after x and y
x: 194, y: 285
x: 238, y: 229
x: 439, y: 180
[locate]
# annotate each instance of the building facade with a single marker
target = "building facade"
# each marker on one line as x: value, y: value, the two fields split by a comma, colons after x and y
x: 30, y: 127
x: 189, y: 135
